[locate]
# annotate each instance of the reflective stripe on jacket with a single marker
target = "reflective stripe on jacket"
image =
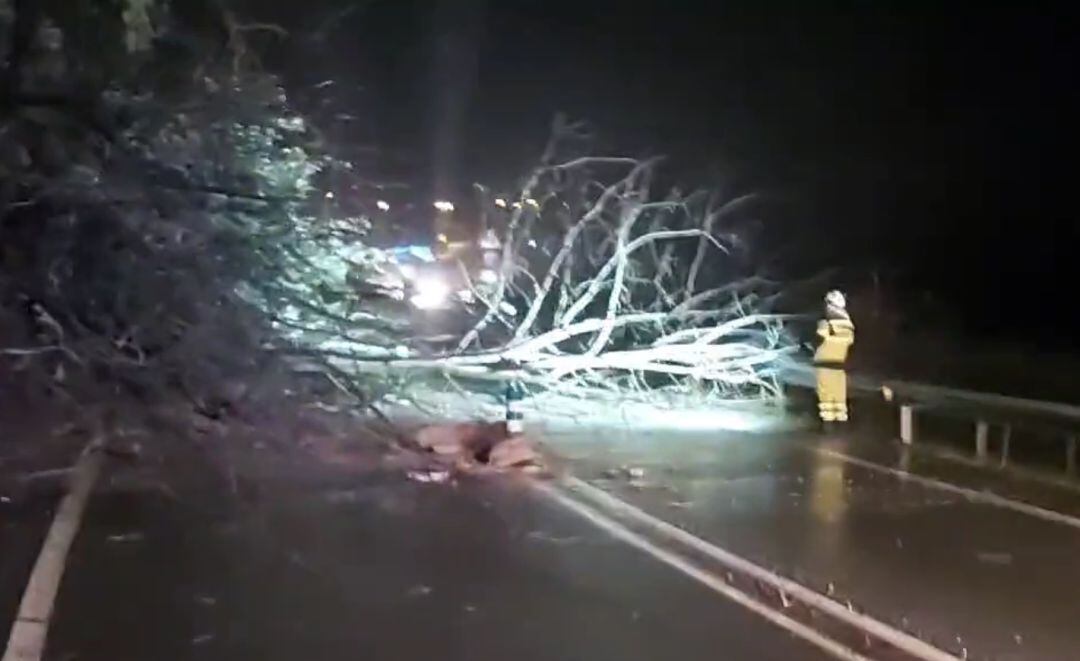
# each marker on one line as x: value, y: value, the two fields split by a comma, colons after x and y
x: 837, y: 336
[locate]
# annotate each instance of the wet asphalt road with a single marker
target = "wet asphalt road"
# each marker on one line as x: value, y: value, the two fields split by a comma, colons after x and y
x: 379, y: 567
x: 970, y: 578
x: 386, y: 569
x: 23, y: 522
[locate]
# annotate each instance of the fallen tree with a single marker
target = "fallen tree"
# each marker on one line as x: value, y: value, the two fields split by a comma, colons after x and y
x: 601, y: 285
x: 167, y: 229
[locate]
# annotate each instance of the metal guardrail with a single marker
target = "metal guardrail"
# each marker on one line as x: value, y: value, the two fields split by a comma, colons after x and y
x: 984, y: 409
x: 942, y: 396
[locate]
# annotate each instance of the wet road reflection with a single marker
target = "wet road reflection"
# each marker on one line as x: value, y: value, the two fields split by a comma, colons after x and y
x: 387, y: 570
x: 965, y: 576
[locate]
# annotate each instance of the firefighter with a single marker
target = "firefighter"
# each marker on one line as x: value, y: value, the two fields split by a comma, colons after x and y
x: 837, y: 334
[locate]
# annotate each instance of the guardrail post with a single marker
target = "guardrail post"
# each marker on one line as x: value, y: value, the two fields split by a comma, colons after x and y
x: 1006, y: 436
x: 982, y: 434
x: 907, y: 424
x: 1070, y: 456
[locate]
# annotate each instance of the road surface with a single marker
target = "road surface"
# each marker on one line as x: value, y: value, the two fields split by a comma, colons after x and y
x: 384, y: 570
x: 971, y: 577
x: 24, y: 518
x: 380, y: 567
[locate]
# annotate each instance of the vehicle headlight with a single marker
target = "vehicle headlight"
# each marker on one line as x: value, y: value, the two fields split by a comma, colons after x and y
x: 430, y: 293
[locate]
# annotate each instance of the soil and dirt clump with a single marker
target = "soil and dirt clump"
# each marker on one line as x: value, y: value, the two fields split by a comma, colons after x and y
x: 479, y: 447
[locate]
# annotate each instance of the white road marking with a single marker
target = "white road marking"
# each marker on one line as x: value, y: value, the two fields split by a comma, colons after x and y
x: 984, y: 497
x: 707, y: 579
x: 1015, y: 471
x: 895, y: 637
x: 31, y: 627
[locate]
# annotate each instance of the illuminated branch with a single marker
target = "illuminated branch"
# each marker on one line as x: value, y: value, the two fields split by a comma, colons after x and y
x: 624, y: 302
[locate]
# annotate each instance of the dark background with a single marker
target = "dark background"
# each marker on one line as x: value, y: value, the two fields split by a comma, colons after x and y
x: 933, y: 145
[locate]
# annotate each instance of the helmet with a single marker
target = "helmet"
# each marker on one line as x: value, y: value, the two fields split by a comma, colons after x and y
x: 836, y: 299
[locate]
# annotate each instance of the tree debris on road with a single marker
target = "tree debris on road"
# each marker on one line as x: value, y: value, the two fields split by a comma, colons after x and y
x: 471, y: 446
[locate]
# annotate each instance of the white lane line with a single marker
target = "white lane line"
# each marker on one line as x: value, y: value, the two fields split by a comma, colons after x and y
x: 31, y: 627
x: 707, y: 579
x: 984, y: 497
x: 895, y: 637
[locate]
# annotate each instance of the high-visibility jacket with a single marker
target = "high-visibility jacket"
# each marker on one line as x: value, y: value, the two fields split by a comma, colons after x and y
x: 837, y: 336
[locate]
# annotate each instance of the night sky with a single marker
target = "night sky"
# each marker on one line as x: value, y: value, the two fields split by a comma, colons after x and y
x: 933, y: 145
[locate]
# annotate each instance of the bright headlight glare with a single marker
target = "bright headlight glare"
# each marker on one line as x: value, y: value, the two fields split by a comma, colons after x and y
x: 430, y: 293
